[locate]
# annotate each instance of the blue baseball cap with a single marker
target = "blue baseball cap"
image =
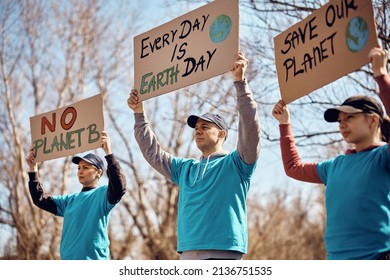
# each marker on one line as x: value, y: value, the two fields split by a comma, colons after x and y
x: 91, y: 159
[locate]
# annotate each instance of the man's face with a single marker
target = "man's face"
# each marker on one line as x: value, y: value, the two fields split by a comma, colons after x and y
x: 207, y: 134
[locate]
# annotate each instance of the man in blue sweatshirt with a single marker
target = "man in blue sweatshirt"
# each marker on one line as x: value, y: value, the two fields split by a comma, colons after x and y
x: 212, y: 214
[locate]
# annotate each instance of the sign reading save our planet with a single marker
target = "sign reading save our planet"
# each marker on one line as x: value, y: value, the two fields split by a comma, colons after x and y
x: 330, y: 43
x: 189, y: 49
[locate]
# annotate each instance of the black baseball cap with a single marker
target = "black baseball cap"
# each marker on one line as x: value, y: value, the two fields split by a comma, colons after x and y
x: 90, y: 158
x: 213, y: 118
x: 355, y: 104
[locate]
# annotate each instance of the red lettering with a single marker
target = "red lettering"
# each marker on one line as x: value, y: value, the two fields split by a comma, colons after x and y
x: 45, y: 122
x: 69, y: 110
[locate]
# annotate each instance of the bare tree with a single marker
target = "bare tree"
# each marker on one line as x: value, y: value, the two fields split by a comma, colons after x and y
x: 53, y: 53
x: 285, y: 227
x: 50, y: 55
x: 265, y: 20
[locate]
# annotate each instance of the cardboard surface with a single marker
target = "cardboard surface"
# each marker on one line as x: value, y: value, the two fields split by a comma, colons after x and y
x: 330, y: 43
x: 68, y: 130
x: 189, y: 49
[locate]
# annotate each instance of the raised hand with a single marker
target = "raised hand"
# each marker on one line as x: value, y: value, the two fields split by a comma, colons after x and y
x: 378, y: 58
x: 30, y: 160
x: 134, y: 103
x: 105, y: 142
x: 281, y: 112
x: 239, y: 66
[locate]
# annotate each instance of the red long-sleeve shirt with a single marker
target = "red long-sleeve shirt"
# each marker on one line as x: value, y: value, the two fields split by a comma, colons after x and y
x: 305, y: 171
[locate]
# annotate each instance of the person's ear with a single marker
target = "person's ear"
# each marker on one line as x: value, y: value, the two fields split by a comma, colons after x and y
x: 222, y: 134
x: 375, y: 121
x: 99, y: 174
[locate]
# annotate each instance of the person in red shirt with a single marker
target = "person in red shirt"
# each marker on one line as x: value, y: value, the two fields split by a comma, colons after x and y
x: 358, y: 183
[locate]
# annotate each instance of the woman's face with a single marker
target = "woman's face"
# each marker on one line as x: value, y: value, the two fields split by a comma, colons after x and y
x: 88, y: 174
x: 356, y: 128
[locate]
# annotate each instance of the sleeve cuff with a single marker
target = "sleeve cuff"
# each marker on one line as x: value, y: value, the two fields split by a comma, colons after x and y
x: 285, y: 129
x: 240, y: 85
x: 33, y: 176
x: 140, y: 118
x: 382, y: 81
x: 110, y: 159
x: 242, y: 88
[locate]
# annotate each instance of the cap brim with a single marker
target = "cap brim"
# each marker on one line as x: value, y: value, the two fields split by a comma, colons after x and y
x: 332, y: 114
x: 191, y: 121
x: 77, y: 160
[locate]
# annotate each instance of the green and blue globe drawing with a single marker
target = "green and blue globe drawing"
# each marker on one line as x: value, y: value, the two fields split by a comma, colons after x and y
x: 220, y: 28
x: 356, y: 34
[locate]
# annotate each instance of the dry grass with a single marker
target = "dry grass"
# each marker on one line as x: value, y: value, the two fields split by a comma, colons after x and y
x: 285, y: 228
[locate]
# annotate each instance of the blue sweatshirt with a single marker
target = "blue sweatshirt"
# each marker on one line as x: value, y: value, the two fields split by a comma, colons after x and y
x: 84, y: 231
x: 211, y: 207
x: 357, y: 194
x: 357, y: 204
x: 86, y: 213
x: 212, y: 202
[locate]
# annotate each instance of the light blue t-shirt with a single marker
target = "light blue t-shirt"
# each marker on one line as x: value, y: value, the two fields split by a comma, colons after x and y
x: 212, y: 211
x: 357, y: 204
x: 84, y: 233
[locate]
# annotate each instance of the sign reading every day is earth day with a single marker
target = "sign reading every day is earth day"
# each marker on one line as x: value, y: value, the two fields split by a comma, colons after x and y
x: 330, y: 43
x: 189, y: 49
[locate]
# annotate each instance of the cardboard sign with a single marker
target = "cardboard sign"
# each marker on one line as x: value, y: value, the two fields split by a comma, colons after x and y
x: 68, y: 130
x: 191, y: 48
x: 333, y: 41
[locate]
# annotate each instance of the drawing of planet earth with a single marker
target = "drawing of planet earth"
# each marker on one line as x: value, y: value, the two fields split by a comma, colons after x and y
x: 220, y: 28
x: 356, y: 34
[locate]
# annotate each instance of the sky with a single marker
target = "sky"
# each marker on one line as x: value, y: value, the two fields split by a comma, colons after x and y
x: 269, y: 172
x: 269, y: 164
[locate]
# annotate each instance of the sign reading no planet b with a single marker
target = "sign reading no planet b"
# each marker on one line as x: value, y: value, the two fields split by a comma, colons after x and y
x: 330, y: 43
x: 189, y: 49
x: 68, y: 130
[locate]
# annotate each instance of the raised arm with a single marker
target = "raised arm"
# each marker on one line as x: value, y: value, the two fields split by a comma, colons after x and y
x: 379, y: 58
x: 147, y: 141
x: 384, y: 87
x: 249, y: 123
x: 116, y: 177
x: 292, y: 163
x: 38, y: 196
